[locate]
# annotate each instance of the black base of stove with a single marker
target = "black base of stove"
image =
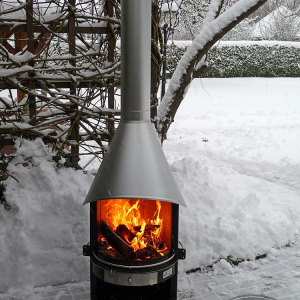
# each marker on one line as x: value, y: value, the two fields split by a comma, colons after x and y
x: 107, y: 291
x: 166, y: 290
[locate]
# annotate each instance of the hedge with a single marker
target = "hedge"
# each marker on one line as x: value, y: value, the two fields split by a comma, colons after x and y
x: 244, y: 59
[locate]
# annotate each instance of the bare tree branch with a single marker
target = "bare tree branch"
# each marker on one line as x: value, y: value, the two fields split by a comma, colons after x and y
x: 183, y: 74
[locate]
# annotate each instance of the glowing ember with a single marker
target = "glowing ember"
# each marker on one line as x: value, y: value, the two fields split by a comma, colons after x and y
x: 126, y: 221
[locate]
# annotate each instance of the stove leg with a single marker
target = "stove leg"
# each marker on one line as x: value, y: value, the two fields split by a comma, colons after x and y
x: 93, y: 284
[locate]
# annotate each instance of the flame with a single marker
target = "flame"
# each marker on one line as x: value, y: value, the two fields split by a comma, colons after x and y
x: 121, y: 211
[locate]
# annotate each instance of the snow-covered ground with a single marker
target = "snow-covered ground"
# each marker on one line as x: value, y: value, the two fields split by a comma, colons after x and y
x: 243, y: 184
x: 234, y: 149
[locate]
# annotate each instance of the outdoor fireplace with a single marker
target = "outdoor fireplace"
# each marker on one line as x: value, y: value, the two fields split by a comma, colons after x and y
x: 134, y: 249
x: 134, y: 199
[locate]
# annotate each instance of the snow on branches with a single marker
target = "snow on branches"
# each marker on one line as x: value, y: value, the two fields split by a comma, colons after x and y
x: 55, y: 71
x: 215, y: 26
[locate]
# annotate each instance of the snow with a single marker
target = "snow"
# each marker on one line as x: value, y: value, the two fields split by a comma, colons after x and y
x: 12, y: 72
x: 242, y: 187
x: 50, y: 17
x: 212, y: 12
x: 222, y: 267
x: 93, y: 25
x: 41, y: 237
x: 171, y: 6
x: 5, y: 101
x: 183, y: 44
x: 207, y: 33
x: 16, y: 125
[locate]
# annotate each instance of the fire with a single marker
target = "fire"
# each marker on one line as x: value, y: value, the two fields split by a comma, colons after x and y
x: 126, y: 220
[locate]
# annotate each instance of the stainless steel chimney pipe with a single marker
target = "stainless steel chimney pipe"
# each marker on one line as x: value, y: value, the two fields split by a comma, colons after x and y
x: 136, y: 60
x: 135, y: 166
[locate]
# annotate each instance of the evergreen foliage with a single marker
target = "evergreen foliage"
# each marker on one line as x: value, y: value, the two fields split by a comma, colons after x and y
x: 244, y: 60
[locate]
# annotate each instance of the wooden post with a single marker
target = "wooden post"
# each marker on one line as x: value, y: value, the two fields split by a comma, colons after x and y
x: 30, y: 48
x: 6, y: 35
x: 41, y: 42
x: 20, y: 44
x: 74, y: 122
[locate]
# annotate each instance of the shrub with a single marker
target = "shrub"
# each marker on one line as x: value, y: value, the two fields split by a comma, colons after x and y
x: 244, y: 59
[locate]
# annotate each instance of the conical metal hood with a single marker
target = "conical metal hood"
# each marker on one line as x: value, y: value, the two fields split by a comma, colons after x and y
x: 135, y: 166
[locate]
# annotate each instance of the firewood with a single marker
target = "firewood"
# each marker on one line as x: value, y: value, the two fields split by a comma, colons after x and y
x: 125, y: 250
x: 149, y: 240
x: 161, y: 245
x: 125, y: 233
x: 111, y: 253
x: 147, y: 253
x: 164, y: 252
x: 154, y: 253
x: 149, y: 227
x: 143, y: 254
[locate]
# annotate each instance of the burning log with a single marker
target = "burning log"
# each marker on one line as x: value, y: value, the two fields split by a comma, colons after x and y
x: 154, y: 253
x: 147, y: 253
x: 143, y: 254
x: 111, y: 253
x: 161, y: 246
x: 149, y: 240
x: 125, y: 250
x: 164, y: 252
x: 125, y: 233
x: 149, y: 227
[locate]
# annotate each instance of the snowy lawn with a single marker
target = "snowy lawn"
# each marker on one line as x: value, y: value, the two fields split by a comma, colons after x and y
x: 243, y: 184
x: 234, y: 149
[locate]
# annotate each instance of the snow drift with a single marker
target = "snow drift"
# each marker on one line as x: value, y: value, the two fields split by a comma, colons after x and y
x: 241, y: 186
x: 41, y: 237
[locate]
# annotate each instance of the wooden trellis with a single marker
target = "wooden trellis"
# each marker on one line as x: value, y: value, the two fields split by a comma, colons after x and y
x: 27, y: 33
x: 60, y: 70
